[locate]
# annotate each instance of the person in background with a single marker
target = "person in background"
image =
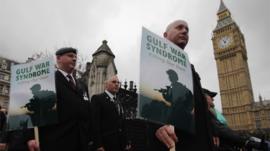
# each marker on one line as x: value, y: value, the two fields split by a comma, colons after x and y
x: 3, y: 119
x: 14, y: 140
x: 224, y: 137
x: 2, y: 128
x: 209, y: 95
x: 108, y: 119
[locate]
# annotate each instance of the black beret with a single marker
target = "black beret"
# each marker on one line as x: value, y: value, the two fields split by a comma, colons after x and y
x: 210, y: 93
x: 62, y: 51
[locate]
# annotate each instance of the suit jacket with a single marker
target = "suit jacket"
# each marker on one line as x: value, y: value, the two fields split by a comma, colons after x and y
x: 72, y: 133
x: 204, y: 132
x: 107, y: 123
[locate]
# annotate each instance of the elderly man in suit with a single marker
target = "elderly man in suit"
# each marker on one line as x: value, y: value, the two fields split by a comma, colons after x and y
x: 107, y: 113
x: 71, y: 133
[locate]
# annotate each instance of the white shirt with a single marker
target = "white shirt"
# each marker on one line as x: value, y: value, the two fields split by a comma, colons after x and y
x: 118, y: 106
x: 110, y: 95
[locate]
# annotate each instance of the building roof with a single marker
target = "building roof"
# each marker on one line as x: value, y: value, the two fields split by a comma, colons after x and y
x: 261, y: 104
x: 10, y: 60
x: 104, y: 48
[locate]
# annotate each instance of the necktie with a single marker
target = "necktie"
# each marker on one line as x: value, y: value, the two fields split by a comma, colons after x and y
x: 71, y: 82
x: 118, y: 105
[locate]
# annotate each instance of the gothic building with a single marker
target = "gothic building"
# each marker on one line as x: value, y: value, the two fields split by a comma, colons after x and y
x: 237, y: 99
x: 101, y: 67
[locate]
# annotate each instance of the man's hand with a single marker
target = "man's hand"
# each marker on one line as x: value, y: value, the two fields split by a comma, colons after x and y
x: 166, y: 135
x: 128, y: 147
x: 3, y: 146
x: 216, y: 141
x: 33, y: 145
x: 100, y: 149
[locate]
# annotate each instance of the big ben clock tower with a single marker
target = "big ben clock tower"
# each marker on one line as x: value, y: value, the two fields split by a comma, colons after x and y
x: 233, y: 73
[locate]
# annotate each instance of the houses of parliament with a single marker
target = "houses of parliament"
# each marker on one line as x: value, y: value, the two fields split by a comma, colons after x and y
x: 238, y: 104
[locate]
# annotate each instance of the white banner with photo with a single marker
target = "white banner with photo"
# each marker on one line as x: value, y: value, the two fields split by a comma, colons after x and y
x: 32, y: 94
x: 166, y: 84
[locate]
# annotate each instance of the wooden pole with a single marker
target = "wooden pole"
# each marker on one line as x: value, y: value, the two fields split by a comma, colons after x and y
x: 36, y: 136
x: 172, y: 149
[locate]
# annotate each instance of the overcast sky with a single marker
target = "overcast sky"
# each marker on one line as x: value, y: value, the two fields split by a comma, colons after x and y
x: 30, y: 26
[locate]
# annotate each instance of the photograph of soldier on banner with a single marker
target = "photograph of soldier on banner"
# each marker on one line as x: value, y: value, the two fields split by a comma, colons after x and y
x: 166, y: 90
x: 32, y: 96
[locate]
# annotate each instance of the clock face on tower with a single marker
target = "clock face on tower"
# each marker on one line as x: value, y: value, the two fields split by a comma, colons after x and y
x: 224, y: 42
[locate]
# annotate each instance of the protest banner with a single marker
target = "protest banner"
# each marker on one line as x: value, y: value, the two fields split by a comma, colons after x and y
x: 166, y: 85
x: 32, y: 94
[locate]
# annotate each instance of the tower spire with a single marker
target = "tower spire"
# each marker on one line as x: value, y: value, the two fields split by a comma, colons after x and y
x: 224, y: 16
x: 222, y: 7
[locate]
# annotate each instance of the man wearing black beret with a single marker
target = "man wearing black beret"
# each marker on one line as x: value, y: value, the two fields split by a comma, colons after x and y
x: 62, y: 51
x: 210, y: 93
x: 223, y: 136
x: 71, y: 133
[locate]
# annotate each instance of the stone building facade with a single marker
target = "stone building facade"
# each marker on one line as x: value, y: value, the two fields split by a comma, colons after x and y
x: 5, y: 76
x: 101, y: 67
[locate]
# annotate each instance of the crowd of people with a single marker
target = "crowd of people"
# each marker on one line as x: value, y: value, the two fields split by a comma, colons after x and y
x: 99, y: 124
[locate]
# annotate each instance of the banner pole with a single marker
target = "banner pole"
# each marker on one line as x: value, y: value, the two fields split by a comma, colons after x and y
x: 36, y: 136
x: 172, y: 149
